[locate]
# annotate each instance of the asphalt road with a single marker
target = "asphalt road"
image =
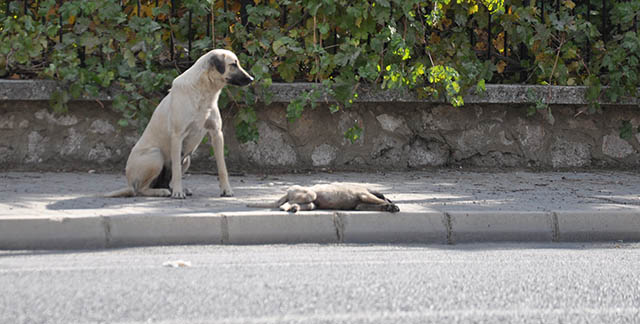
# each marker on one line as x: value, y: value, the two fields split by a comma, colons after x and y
x: 481, y: 283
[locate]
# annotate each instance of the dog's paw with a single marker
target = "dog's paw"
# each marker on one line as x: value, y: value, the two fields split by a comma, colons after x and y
x: 178, y: 195
x: 188, y: 192
x: 226, y: 194
x: 393, y: 208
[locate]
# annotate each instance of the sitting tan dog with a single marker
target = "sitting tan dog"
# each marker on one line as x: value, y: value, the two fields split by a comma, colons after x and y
x: 331, y: 196
x: 190, y: 110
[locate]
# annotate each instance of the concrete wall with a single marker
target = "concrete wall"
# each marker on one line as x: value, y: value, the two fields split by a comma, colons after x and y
x: 399, y: 134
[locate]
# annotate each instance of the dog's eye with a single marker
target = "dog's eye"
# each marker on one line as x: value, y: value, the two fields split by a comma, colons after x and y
x: 234, y: 64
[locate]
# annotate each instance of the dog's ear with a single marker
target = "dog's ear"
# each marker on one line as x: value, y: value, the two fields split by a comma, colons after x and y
x: 217, y: 61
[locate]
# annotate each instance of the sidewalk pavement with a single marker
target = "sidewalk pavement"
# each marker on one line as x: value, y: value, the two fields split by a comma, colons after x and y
x: 58, y: 210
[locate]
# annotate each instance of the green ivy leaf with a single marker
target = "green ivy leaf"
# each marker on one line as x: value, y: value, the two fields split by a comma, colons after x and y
x: 626, y: 130
x: 354, y: 133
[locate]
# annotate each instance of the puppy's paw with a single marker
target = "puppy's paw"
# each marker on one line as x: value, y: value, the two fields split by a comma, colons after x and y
x: 393, y: 208
x: 188, y: 192
x: 294, y: 208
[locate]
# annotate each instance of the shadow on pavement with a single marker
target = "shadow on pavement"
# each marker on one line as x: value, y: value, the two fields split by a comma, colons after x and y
x: 89, y: 202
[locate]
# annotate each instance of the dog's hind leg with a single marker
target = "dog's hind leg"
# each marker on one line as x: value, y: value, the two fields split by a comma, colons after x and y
x: 143, y: 171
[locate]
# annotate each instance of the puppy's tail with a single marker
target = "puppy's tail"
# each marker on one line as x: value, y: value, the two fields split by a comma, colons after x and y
x: 126, y: 192
x: 265, y: 204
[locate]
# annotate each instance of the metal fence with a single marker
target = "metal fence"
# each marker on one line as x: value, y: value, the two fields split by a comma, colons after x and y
x: 597, y: 11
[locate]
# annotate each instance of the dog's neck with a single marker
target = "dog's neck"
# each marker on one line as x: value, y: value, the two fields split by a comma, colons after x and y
x: 196, y: 78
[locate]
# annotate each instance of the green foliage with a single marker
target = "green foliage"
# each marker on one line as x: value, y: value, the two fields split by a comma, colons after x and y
x: 246, y: 127
x: 353, y: 133
x: 626, y: 130
x: 436, y: 48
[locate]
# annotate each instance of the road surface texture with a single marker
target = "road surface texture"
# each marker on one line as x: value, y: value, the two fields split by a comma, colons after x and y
x: 480, y: 283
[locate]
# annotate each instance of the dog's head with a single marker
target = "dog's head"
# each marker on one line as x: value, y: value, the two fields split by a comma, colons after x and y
x: 225, y: 65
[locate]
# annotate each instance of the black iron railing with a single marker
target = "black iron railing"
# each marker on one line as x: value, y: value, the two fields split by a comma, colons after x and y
x: 199, y: 31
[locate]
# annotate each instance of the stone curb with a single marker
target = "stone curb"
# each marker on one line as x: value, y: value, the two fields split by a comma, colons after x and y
x: 268, y: 227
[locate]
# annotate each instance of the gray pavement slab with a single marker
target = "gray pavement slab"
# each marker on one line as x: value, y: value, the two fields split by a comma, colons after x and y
x: 61, y: 210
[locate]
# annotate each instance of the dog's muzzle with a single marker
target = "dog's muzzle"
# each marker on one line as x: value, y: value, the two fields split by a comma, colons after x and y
x: 240, y: 79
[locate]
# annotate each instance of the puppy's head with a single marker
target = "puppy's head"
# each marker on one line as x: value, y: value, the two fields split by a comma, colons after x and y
x: 226, y: 67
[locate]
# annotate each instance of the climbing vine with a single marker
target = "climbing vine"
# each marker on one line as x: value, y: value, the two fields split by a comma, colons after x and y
x: 437, y: 48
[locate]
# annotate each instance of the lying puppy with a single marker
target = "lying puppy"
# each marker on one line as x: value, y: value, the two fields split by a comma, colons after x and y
x: 331, y: 196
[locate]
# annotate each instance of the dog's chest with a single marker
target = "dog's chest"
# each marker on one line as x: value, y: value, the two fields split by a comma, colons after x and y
x: 194, y: 133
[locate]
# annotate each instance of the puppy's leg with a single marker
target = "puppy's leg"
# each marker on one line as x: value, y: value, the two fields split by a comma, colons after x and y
x: 379, y: 195
x: 371, y: 202
x: 374, y: 207
x: 307, y: 206
x: 176, y: 167
x: 214, y: 127
x: 294, y: 208
x: 288, y: 207
x: 369, y: 198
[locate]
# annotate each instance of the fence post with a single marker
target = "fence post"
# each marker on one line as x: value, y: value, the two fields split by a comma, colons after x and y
x: 244, y: 17
x: 283, y: 17
x: 211, y: 19
x: 171, y: 30
x: 523, y: 52
x: 60, y: 21
x: 489, y: 36
x: 504, y: 45
x: 472, y: 39
x: 588, y: 39
x: 190, y: 35
x: 209, y: 24
x: 604, y: 21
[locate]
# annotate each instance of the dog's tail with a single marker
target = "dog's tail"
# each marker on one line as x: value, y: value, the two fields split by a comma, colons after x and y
x: 265, y: 204
x: 126, y: 192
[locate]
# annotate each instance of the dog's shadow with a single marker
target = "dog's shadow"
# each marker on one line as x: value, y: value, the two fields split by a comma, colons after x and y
x: 90, y: 202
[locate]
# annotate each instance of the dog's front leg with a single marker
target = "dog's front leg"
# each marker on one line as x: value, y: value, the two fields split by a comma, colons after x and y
x: 176, y: 167
x: 217, y: 142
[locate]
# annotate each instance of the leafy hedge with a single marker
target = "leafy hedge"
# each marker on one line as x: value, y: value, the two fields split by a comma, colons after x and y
x: 437, y: 48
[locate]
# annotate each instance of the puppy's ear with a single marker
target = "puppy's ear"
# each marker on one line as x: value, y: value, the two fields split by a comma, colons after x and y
x: 217, y: 61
